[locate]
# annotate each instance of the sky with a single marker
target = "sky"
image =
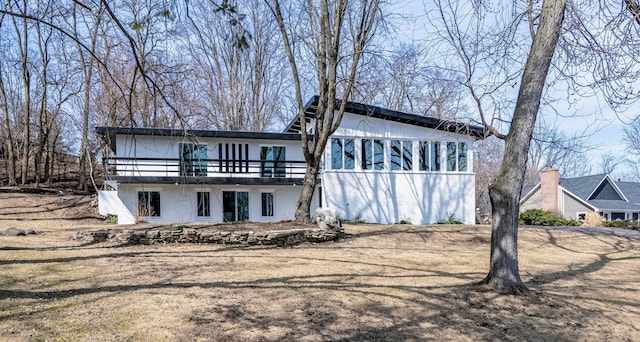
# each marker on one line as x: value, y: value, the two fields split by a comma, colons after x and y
x: 604, y: 127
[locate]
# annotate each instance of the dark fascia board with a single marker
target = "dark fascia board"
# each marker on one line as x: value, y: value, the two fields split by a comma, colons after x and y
x: 109, y: 133
x: 392, y: 115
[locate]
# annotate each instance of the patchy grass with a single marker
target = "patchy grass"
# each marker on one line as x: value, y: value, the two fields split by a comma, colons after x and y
x: 392, y: 283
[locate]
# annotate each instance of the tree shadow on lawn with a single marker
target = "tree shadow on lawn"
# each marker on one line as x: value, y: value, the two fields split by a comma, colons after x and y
x: 357, y: 307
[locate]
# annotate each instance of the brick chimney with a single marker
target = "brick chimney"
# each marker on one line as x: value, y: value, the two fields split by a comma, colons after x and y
x: 549, y: 181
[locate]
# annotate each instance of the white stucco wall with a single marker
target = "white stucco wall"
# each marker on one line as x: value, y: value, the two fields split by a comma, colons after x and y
x: 390, y: 197
x: 387, y: 196
x: 178, y: 203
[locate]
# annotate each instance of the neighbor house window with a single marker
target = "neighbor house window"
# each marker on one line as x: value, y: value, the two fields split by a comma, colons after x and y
x: 401, y: 154
x: 148, y: 203
x: 267, y: 203
x: 193, y: 159
x: 204, y: 203
x: 429, y: 156
x: 457, y: 156
x: 372, y: 154
x: 272, y: 160
x: 343, y: 154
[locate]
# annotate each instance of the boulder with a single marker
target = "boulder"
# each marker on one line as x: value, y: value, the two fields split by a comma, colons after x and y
x: 14, y: 232
x: 327, y: 218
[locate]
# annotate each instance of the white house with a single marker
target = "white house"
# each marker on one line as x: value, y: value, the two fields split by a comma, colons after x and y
x: 381, y: 165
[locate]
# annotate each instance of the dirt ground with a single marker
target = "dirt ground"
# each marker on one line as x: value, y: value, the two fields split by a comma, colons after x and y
x: 380, y: 283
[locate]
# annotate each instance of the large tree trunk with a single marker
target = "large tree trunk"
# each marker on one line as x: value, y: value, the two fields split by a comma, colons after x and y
x: 303, y: 206
x: 505, y: 192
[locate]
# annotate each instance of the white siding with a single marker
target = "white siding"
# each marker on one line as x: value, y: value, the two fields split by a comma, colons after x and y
x: 178, y: 202
x: 388, y: 197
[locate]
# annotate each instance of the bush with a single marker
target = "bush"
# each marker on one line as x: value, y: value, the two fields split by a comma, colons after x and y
x: 111, y: 219
x: 617, y: 224
x: 538, y: 217
x: 450, y: 219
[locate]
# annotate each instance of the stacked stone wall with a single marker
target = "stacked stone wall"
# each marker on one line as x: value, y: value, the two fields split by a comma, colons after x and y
x: 192, y: 235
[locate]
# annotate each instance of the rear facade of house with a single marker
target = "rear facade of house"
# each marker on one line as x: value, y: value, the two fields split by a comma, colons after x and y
x: 380, y: 166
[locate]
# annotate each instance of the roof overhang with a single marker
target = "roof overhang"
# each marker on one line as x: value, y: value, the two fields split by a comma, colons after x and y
x: 311, y: 108
x: 108, y: 134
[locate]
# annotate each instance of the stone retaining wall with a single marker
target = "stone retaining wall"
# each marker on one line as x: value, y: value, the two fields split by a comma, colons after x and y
x: 191, y: 235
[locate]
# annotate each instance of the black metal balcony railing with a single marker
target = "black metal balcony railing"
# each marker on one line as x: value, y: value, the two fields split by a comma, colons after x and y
x: 175, y: 167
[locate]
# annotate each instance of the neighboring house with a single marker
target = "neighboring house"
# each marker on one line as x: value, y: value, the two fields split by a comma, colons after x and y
x: 381, y: 165
x: 573, y: 198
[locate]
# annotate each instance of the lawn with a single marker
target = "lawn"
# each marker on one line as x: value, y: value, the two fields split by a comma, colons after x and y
x: 390, y: 283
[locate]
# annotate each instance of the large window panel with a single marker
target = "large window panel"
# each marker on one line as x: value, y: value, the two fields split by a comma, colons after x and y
x: 407, y: 155
x: 367, y: 154
x: 235, y: 206
x: 193, y: 159
x: 273, y: 162
x: 396, y: 154
x: 435, y: 156
x: 349, y: 154
x: 343, y: 154
x: 462, y: 157
x: 457, y: 156
x: 423, y: 156
x: 372, y: 154
x: 336, y: 154
x: 148, y: 203
x: 267, y: 203
x: 203, y: 200
x: 378, y: 155
x: 452, y: 156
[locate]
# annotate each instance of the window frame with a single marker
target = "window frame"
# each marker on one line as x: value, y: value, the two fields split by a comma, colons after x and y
x: 347, y: 161
x: 374, y: 148
x: 270, y: 210
x: 457, y: 158
x: 206, y: 207
x: 403, y: 160
x: 273, y: 168
x: 149, y: 203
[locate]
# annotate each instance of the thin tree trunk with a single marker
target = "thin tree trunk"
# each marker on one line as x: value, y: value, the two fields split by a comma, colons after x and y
x: 505, y: 192
x: 8, y: 142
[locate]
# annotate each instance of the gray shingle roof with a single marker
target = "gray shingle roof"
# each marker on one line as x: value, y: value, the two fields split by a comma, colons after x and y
x: 631, y: 190
x: 582, y: 186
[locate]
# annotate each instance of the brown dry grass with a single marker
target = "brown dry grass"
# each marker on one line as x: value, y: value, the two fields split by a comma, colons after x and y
x: 391, y: 283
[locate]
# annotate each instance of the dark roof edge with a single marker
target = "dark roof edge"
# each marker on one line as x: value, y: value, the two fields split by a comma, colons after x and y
x: 108, y: 134
x: 393, y: 115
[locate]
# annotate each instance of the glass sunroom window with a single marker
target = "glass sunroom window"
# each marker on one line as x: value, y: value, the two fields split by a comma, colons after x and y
x: 401, y: 155
x: 457, y: 156
x: 372, y: 154
x: 429, y: 156
x: 343, y: 154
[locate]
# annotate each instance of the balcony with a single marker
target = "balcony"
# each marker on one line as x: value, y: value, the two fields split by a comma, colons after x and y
x: 203, y: 171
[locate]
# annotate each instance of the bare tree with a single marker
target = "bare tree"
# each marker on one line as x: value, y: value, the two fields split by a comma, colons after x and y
x: 632, y: 146
x: 553, y: 148
x: 241, y: 86
x: 494, y: 56
x: 8, y: 141
x: 22, y: 34
x: 324, y: 23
